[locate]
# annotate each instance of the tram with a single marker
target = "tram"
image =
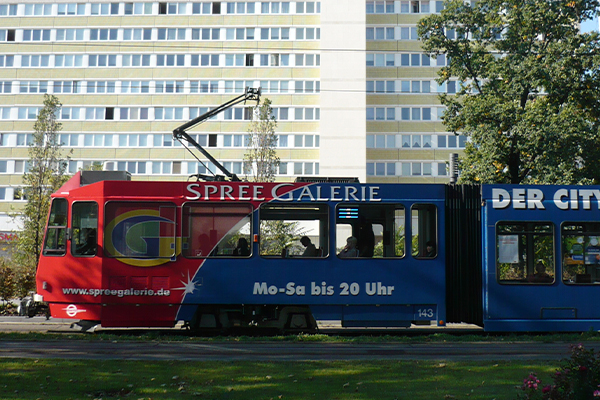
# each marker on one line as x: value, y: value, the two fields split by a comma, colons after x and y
x: 123, y: 253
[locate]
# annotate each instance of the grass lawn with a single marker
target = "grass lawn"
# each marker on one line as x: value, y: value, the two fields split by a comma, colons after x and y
x: 411, y: 380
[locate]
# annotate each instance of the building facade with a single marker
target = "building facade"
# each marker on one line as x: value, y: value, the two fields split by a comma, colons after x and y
x: 351, y: 91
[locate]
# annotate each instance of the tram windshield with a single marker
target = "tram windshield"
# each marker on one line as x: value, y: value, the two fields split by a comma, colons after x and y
x: 56, y: 232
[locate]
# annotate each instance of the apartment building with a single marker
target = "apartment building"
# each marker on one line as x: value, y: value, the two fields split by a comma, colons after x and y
x: 351, y: 91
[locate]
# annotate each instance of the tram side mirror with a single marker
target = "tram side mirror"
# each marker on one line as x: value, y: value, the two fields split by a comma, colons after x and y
x: 387, y: 238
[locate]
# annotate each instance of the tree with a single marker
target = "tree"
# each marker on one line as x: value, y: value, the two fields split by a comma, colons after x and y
x: 278, y: 235
x: 261, y: 159
x: 260, y: 163
x: 45, y: 175
x: 529, y: 95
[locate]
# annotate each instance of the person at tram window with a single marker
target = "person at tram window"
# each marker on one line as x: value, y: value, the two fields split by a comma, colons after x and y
x: 350, y: 250
x: 366, y: 238
x: 242, y: 248
x: 430, y: 249
x: 87, y: 246
x: 540, y: 274
x: 310, y: 249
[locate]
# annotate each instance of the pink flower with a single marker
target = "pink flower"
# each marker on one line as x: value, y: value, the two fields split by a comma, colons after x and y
x: 597, y: 393
x: 547, y: 389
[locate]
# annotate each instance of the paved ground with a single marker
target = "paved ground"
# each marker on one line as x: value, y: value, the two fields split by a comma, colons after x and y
x: 274, y: 351
x: 271, y: 351
x: 35, y: 324
x: 41, y: 324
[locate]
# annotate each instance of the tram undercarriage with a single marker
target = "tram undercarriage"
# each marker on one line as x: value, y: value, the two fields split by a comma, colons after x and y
x: 281, y: 319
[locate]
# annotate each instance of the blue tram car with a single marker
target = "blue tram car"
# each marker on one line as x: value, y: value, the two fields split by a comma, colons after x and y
x: 541, y: 258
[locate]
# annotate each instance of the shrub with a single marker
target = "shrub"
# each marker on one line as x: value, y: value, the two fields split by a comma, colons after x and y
x: 7, y: 281
x: 24, y: 281
x: 578, y: 378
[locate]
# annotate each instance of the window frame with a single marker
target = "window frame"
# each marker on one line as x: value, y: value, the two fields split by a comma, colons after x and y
x: 75, y: 232
x: 421, y: 247
x: 591, y: 271
x: 57, y: 230
x: 530, y: 259
x: 135, y: 206
x: 362, y: 213
x: 249, y: 217
x: 284, y: 212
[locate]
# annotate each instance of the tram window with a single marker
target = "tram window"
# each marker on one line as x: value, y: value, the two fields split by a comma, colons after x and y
x: 143, y: 230
x: 525, y: 252
x: 216, y: 230
x: 424, y: 230
x: 56, y: 231
x: 84, y: 227
x: 379, y: 230
x: 581, y: 252
x: 293, y: 230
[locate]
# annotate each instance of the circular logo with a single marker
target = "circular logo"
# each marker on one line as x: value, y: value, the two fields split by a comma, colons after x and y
x: 72, y: 310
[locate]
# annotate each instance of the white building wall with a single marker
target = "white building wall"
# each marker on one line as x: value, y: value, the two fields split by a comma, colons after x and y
x: 343, y: 99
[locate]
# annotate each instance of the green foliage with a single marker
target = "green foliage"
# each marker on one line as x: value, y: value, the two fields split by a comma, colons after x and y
x: 578, y: 378
x: 530, y: 94
x: 45, y: 175
x: 544, y: 250
x: 7, y: 281
x: 277, y: 235
x: 261, y: 159
x: 399, y: 244
x: 94, y: 166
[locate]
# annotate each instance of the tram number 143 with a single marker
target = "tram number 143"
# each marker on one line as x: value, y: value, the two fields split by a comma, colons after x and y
x: 425, y: 313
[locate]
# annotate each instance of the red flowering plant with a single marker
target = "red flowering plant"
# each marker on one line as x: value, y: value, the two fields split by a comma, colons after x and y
x: 578, y: 378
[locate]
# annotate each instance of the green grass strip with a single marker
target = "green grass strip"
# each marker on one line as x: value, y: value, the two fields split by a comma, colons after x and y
x: 414, y: 380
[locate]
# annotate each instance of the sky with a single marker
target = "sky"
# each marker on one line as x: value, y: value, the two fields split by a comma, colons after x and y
x: 590, y: 25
